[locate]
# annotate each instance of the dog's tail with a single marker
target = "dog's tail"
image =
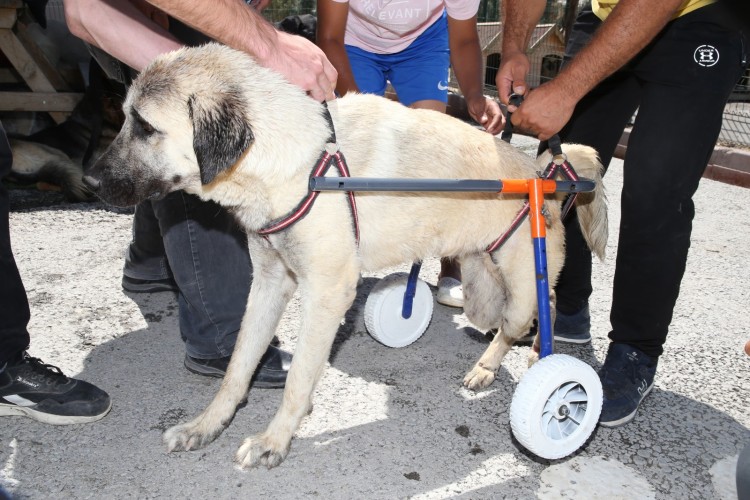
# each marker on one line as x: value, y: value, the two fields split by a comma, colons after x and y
x: 591, y: 207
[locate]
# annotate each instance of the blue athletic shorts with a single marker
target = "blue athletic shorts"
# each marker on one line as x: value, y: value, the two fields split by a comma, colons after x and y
x: 418, y: 72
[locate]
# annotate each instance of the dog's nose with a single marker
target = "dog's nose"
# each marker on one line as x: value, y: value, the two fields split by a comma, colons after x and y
x: 91, y: 183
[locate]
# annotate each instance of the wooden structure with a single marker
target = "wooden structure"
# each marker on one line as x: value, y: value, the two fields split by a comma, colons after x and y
x: 45, y: 88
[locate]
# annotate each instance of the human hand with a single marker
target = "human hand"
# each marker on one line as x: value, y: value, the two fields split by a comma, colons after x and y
x: 486, y: 112
x: 511, y: 76
x: 302, y: 63
x: 544, y: 111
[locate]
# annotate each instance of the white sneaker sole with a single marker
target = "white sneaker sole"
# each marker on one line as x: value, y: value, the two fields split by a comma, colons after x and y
x: 48, y: 418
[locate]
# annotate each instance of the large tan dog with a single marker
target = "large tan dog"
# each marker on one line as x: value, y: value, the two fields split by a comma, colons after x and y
x: 211, y: 121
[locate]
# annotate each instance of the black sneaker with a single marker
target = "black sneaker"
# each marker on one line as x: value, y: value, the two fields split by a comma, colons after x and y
x: 573, y: 328
x: 271, y: 373
x: 134, y: 285
x: 627, y: 377
x: 31, y: 388
x: 569, y: 328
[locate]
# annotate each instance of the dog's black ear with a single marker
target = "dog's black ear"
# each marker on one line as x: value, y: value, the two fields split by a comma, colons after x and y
x: 221, y: 133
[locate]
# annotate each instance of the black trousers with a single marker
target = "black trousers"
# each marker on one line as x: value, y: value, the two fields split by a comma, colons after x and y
x: 14, y: 306
x: 679, y: 84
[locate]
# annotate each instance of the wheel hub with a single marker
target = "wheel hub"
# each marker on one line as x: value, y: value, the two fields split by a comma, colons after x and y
x: 562, y: 411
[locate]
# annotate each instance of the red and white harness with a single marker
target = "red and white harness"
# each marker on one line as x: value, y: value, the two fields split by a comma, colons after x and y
x: 332, y: 156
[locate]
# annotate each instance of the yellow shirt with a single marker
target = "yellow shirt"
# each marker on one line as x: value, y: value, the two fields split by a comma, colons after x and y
x: 602, y: 8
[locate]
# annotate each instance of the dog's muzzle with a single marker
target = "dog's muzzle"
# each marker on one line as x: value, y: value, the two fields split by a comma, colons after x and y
x: 120, y: 191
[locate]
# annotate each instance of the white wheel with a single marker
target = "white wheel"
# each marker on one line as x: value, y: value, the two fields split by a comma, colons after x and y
x: 556, y: 406
x: 383, y: 311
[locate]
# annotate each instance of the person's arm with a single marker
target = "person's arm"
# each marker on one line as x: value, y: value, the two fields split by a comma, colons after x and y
x: 124, y: 31
x: 234, y: 23
x: 121, y: 29
x: 330, y: 32
x: 519, y: 18
x: 466, y: 61
x: 630, y: 26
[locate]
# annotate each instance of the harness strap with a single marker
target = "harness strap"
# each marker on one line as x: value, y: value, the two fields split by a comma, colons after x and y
x: 513, y: 100
x: 344, y: 172
x: 303, y: 208
x: 555, y: 148
x: 324, y: 163
x: 332, y: 137
x: 567, y: 169
x: 558, y: 161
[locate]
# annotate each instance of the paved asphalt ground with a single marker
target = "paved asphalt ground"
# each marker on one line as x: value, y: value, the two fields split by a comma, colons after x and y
x: 387, y: 423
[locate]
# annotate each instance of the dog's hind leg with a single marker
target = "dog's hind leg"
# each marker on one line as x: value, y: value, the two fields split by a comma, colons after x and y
x: 328, y: 295
x: 515, y: 315
x: 484, y: 291
x: 270, y: 292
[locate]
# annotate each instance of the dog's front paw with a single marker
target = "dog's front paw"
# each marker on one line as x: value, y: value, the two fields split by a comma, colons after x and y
x: 533, y: 357
x: 262, y: 449
x: 478, y: 378
x: 535, y: 350
x: 190, y: 436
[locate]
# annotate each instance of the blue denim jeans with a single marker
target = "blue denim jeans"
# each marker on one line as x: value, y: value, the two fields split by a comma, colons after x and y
x: 199, y: 245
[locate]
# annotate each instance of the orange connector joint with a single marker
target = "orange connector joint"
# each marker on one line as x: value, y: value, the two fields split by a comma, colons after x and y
x: 536, y: 189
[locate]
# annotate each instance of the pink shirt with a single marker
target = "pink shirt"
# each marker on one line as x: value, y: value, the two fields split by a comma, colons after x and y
x: 389, y: 26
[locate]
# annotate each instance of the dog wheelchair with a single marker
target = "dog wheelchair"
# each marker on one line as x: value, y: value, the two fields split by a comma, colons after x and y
x: 557, y: 402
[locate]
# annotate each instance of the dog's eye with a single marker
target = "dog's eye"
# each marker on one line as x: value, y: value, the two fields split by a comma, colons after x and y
x: 147, y: 128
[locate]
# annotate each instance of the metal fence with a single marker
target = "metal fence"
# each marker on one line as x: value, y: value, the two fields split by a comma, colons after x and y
x: 545, y: 54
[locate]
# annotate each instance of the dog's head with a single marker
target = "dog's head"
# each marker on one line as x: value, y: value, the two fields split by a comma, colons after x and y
x: 185, y: 123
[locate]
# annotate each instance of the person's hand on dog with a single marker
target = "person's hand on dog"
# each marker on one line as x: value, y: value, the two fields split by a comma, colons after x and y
x: 486, y: 112
x: 303, y: 64
x: 511, y: 77
x: 237, y: 24
x: 536, y: 115
x: 545, y: 110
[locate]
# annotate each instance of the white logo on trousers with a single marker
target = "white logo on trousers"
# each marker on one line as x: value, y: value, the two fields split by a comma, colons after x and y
x: 706, y: 56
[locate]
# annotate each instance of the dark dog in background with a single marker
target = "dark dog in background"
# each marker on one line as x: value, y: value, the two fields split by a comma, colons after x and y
x: 57, y: 155
x: 303, y: 25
